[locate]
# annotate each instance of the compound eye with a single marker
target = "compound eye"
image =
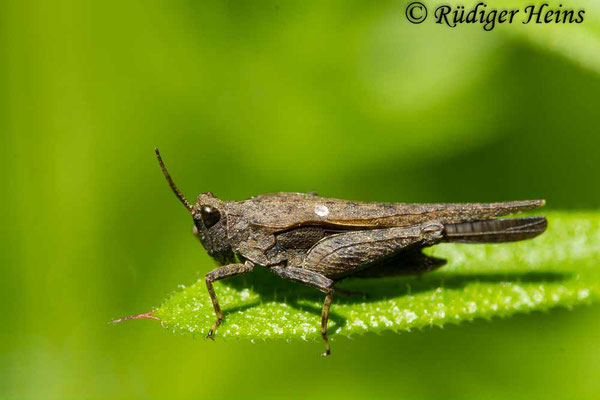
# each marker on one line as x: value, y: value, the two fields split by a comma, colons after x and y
x: 210, y: 216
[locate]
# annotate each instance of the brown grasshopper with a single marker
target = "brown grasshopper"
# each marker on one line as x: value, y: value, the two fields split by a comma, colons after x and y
x: 319, y: 241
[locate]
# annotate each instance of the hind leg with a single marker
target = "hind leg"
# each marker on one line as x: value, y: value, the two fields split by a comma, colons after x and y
x: 345, y: 254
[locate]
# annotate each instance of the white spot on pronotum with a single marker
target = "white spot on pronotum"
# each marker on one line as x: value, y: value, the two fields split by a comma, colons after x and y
x: 321, y: 210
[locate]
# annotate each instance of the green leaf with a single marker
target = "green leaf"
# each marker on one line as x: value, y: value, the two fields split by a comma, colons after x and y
x: 579, y: 42
x: 561, y: 268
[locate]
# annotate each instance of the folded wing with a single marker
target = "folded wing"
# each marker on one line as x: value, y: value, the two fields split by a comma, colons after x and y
x: 280, y: 211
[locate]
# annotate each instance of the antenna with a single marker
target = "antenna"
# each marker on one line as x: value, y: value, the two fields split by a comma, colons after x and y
x: 180, y: 196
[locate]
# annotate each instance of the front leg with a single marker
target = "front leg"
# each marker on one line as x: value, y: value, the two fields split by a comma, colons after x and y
x: 224, y: 272
x: 318, y: 281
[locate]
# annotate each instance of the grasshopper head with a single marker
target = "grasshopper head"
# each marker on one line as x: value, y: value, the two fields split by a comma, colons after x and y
x: 210, y: 221
x: 210, y: 226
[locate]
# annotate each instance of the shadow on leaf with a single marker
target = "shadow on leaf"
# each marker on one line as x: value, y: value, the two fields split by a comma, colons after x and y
x: 272, y: 288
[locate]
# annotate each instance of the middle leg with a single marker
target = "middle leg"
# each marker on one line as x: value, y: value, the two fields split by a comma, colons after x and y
x: 318, y: 281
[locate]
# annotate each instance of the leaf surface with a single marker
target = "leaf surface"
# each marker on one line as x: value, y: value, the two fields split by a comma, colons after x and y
x: 561, y: 268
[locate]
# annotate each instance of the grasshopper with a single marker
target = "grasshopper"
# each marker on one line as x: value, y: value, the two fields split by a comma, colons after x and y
x: 319, y: 241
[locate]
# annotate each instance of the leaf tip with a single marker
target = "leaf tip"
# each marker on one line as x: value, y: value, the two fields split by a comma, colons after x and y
x: 148, y: 315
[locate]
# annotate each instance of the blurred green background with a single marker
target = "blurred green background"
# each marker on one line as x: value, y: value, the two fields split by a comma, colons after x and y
x: 342, y: 97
